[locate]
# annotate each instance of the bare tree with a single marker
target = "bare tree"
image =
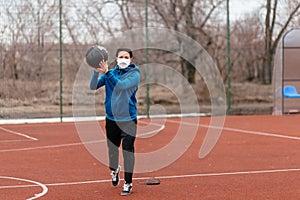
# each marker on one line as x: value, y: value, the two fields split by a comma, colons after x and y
x: 247, y: 48
x: 194, y: 18
x: 30, y: 24
x: 29, y: 37
x: 275, y: 26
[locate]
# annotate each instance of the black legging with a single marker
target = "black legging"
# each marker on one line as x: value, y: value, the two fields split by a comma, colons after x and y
x: 125, y: 132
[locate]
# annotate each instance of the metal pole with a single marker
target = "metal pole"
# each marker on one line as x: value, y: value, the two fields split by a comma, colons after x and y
x: 60, y: 59
x: 228, y: 62
x: 147, y: 59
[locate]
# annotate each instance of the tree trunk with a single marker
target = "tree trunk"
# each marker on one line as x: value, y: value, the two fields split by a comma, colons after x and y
x: 188, y: 70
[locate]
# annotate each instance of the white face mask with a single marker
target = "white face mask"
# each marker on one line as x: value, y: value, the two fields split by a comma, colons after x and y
x: 123, y: 62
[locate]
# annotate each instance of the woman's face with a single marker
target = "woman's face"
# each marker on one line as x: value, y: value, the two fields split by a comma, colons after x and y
x: 123, y: 59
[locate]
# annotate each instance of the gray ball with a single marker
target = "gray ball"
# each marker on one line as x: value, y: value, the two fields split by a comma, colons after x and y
x: 95, y: 54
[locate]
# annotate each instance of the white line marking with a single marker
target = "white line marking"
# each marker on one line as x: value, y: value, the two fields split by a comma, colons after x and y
x: 91, y: 118
x: 153, y: 132
x: 230, y: 173
x: 253, y: 132
x: 6, y: 141
x: 150, y: 133
x: 240, y: 130
x: 50, y: 146
x: 78, y: 143
x: 56, y: 184
x: 164, y: 177
x: 43, y: 186
x: 18, y: 133
x: 160, y: 128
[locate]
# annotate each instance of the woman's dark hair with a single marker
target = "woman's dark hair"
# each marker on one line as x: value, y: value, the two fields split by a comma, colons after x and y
x: 124, y: 49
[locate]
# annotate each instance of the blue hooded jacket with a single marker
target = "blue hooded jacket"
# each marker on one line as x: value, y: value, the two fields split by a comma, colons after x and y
x: 121, y: 86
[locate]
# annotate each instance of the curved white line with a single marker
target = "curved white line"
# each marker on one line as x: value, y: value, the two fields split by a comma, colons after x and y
x: 154, y: 131
x: 18, y: 133
x: 44, y: 187
x: 78, y: 143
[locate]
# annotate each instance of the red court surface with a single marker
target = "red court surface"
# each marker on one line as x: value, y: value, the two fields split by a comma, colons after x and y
x: 256, y: 157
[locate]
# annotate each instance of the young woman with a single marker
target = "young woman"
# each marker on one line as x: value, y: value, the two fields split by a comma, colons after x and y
x: 121, y: 85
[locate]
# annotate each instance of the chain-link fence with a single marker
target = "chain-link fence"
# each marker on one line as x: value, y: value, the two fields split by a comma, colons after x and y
x: 32, y: 58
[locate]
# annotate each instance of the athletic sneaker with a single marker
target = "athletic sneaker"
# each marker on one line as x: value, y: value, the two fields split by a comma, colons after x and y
x: 115, y: 176
x: 127, y: 187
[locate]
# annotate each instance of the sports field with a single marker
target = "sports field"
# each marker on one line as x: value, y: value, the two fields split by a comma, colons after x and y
x: 256, y: 157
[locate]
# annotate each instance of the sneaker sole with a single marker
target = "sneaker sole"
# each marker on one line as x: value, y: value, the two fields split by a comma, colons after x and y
x: 125, y: 194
